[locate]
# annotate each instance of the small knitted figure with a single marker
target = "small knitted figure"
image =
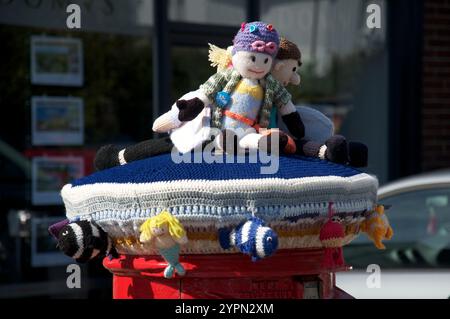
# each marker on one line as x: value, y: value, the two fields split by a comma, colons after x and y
x: 377, y: 227
x: 252, y: 237
x: 243, y: 96
x: 331, y: 236
x: 83, y: 241
x: 166, y: 233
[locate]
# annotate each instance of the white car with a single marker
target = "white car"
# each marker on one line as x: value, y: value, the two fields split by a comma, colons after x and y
x: 416, y: 262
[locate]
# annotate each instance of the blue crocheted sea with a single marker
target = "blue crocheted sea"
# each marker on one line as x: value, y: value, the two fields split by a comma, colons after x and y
x: 163, y: 168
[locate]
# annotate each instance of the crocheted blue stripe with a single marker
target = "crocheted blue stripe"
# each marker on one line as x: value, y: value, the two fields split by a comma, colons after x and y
x: 162, y: 168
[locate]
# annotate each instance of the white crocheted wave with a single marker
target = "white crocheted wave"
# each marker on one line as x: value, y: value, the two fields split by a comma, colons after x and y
x: 200, y: 201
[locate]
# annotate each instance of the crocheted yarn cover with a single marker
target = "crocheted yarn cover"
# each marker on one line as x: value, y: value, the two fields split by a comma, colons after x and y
x: 205, y: 197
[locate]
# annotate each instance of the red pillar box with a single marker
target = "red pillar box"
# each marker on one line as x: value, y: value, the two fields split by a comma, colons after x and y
x: 289, y: 274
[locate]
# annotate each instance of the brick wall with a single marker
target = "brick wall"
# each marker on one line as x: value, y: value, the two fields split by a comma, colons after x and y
x: 436, y: 85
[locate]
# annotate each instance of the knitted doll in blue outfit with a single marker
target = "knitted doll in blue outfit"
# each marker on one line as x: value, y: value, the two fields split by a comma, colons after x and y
x: 242, y: 97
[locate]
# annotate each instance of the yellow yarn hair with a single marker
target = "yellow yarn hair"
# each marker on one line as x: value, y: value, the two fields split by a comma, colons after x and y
x: 219, y: 57
x: 377, y: 227
x: 176, y: 229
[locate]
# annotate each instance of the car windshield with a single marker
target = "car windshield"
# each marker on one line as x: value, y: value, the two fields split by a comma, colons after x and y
x: 418, y: 215
x: 421, y: 223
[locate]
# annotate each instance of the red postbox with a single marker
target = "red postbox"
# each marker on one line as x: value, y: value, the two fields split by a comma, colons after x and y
x: 289, y: 274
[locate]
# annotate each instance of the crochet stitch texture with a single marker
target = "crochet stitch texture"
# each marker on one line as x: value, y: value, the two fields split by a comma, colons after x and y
x: 206, y: 197
x: 254, y: 31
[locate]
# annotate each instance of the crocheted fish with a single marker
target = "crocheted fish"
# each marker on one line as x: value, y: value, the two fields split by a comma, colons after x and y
x: 83, y: 241
x: 377, y: 227
x: 253, y: 238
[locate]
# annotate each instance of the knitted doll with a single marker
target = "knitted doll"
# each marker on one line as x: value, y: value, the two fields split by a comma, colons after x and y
x: 335, y: 148
x: 331, y: 236
x: 285, y: 67
x: 166, y: 233
x: 243, y: 96
x: 377, y: 227
x: 288, y: 59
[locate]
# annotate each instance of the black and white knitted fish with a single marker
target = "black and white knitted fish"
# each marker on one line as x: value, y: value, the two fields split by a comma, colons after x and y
x: 83, y: 241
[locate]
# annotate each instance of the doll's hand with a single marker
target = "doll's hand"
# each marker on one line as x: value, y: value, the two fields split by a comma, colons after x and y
x: 182, y: 240
x: 189, y: 109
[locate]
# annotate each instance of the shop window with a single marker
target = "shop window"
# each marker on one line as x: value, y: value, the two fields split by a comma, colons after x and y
x: 185, y: 77
x: 218, y: 12
x: 344, y: 72
x: 64, y: 94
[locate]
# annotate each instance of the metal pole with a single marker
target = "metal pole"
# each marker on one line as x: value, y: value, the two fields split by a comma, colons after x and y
x: 161, y: 59
x: 253, y: 10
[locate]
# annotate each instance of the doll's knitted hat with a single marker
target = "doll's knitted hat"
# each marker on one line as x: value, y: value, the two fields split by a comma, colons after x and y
x: 256, y: 37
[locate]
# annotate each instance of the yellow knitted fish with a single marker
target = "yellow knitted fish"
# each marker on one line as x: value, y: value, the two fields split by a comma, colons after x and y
x: 219, y: 57
x: 377, y: 227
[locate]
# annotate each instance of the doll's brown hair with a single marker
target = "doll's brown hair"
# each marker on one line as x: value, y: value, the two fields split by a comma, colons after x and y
x: 288, y: 50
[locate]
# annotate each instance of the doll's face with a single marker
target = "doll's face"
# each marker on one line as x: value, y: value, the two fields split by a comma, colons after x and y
x: 252, y: 65
x: 285, y: 71
x: 160, y: 231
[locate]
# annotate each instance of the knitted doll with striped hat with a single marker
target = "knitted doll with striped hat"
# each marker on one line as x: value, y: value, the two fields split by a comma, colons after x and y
x: 243, y: 96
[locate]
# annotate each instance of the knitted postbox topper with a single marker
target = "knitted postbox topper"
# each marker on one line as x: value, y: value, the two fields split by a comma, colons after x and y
x: 207, y: 197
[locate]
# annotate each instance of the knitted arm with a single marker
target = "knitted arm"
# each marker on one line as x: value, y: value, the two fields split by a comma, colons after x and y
x: 167, y: 121
x: 183, y: 110
x: 189, y: 106
x: 289, y: 113
x: 215, y: 84
x: 189, y: 109
x: 293, y: 121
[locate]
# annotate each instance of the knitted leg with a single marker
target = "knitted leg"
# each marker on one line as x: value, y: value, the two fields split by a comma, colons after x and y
x: 106, y: 157
x: 276, y: 142
x: 147, y: 149
x: 358, y: 154
x: 308, y: 148
x: 229, y: 141
x: 334, y: 149
x: 109, y: 156
x: 250, y: 141
x: 337, y: 149
x: 168, y: 272
x: 180, y: 269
